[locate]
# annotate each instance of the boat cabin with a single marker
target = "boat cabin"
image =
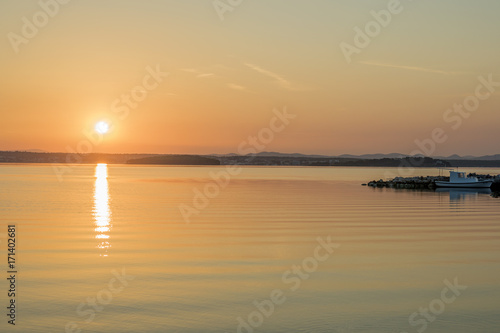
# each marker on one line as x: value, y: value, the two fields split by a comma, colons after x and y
x: 460, y: 177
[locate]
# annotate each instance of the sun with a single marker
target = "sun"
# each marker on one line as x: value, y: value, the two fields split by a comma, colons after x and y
x: 102, y: 127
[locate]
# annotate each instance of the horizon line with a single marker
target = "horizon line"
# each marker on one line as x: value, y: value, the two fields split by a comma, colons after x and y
x: 39, y: 151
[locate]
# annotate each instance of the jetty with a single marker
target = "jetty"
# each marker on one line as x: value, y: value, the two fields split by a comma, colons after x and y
x: 427, y: 182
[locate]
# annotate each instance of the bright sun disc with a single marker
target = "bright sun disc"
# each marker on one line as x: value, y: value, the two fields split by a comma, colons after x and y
x: 102, y: 127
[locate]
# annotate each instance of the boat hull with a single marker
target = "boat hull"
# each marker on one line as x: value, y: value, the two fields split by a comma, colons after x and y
x: 479, y: 184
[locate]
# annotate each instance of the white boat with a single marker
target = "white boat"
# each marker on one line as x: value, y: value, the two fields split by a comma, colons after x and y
x: 459, y: 179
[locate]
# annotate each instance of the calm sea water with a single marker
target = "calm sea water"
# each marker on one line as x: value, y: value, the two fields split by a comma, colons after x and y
x: 107, y: 249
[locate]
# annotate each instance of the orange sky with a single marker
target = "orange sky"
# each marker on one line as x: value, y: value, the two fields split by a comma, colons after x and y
x: 225, y: 77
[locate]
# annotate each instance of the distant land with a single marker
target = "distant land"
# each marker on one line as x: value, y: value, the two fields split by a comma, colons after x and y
x: 263, y: 158
x: 378, y: 156
x: 176, y: 160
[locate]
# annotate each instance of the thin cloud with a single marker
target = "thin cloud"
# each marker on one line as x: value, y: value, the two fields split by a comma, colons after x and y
x: 237, y: 87
x: 411, y: 68
x: 278, y: 79
x: 206, y: 75
x: 197, y: 72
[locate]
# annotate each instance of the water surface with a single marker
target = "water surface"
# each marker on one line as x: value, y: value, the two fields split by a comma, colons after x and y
x: 396, y: 249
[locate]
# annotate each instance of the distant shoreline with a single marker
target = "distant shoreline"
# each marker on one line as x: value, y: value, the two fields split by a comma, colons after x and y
x: 232, y: 159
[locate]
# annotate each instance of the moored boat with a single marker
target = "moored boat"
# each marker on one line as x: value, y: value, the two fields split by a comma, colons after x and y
x: 460, y: 180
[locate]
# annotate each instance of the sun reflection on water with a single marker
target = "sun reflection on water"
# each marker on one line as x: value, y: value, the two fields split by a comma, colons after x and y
x: 101, y: 210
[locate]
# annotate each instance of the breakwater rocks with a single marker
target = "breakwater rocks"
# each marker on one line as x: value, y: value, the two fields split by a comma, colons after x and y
x: 409, y: 182
x: 428, y: 182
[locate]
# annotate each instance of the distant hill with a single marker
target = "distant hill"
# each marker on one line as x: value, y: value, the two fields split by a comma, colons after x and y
x: 35, y: 151
x: 35, y: 157
x: 275, y: 154
x: 462, y: 163
x: 263, y: 158
x: 175, y: 160
x: 372, y: 156
x: 487, y: 158
x: 470, y: 158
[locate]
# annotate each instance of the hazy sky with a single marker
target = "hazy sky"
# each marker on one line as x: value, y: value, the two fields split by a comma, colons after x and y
x: 226, y: 76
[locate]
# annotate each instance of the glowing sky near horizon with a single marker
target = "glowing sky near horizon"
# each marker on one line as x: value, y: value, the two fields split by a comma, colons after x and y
x: 226, y: 77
